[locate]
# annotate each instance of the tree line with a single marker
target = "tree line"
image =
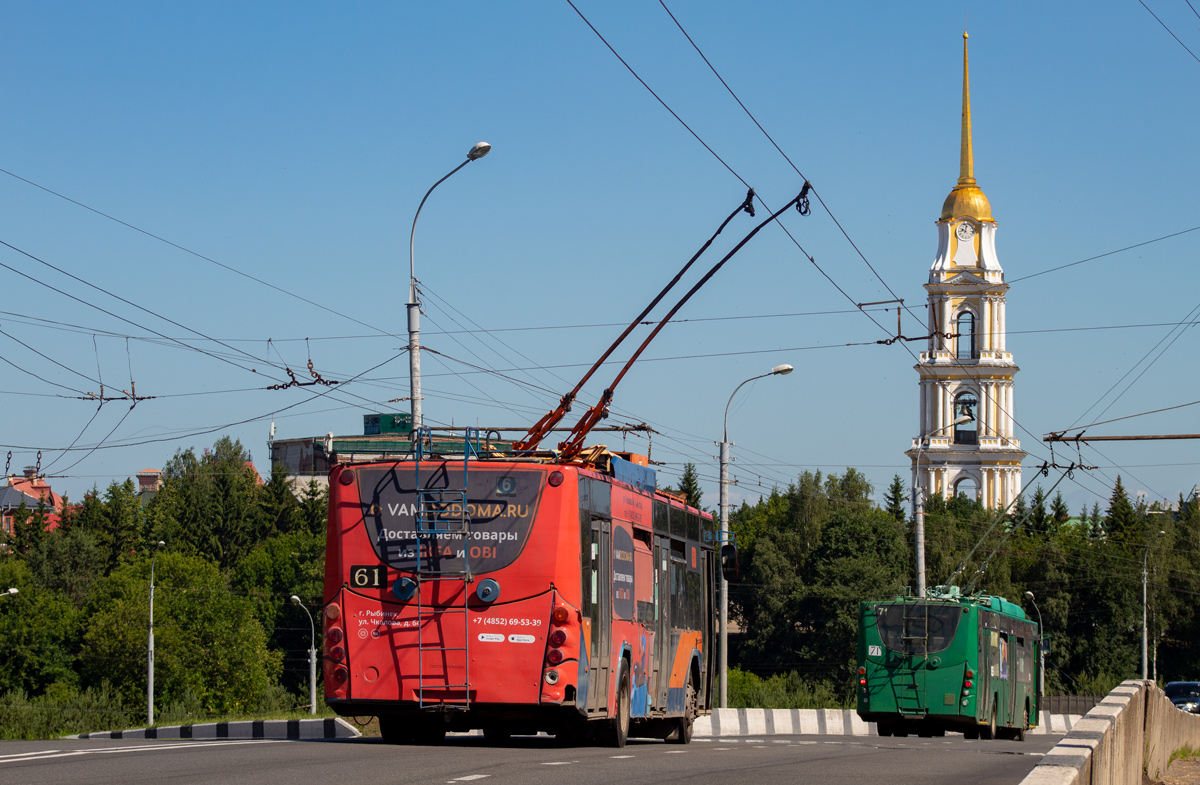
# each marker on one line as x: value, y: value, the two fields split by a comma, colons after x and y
x: 73, y: 641
x: 810, y: 553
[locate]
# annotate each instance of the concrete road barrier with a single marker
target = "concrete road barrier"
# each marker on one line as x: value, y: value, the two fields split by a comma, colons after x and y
x: 1129, y: 735
x: 328, y: 728
x: 823, y: 722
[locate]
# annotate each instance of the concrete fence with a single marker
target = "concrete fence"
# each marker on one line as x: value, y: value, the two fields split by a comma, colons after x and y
x: 825, y: 722
x: 1132, y: 733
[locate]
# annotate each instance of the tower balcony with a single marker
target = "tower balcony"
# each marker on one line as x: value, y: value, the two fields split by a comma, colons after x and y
x: 947, y: 357
x: 981, y: 444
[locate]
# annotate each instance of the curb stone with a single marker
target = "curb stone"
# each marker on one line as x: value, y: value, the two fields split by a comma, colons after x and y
x: 327, y: 728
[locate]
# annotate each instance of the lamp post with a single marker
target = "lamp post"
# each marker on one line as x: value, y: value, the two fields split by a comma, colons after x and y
x: 919, y: 501
x: 1041, y: 651
x: 312, y: 658
x: 150, y: 643
x: 414, y: 305
x: 723, y: 534
x: 1145, y: 559
x: 9, y: 592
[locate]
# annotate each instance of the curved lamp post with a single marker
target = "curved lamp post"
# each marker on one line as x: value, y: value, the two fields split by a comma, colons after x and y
x: 150, y: 643
x: 723, y: 534
x: 479, y: 150
x: 9, y: 592
x: 1145, y: 559
x: 1041, y: 652
x: 312, y: 658
x: 919, y: 501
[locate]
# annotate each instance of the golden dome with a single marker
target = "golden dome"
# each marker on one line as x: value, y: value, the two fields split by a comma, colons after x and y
x: 967, y: 201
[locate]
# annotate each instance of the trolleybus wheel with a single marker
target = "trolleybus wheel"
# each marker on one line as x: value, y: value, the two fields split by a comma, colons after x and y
x: 988, y: 732
x: 683, y: 727
x: 970, y: 734
x: 496, y: 736
x: 619, y: 725
x: 394, y: 731
x: 430, y: 737
x: 884, y: 728
x: 1019, y: 733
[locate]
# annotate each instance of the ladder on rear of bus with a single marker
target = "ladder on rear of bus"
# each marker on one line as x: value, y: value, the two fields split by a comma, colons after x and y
x: 909, y: 684
x: 442, y: 511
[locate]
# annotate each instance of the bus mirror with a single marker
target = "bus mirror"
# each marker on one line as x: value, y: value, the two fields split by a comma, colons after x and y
x: 729, y: 562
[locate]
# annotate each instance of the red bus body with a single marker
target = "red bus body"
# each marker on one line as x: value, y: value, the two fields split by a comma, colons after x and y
x: 516, y: 597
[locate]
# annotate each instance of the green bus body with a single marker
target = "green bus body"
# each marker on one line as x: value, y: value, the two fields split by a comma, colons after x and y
x: 965, y: 664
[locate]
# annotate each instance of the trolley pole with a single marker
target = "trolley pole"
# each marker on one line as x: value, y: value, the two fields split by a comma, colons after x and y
x: 150, y: 643
x: 723, y: 535
x: 1145, y: 606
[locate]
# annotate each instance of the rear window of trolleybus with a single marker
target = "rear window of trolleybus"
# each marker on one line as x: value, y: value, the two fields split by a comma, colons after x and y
x: 501, y: 504
x: 942, y: 624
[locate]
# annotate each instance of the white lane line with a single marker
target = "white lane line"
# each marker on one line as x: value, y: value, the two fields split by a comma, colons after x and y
x: 676, y: 752
x: 780, y: 741
x: 50, y: 754
x: 620, y: 757
x: 719, y: 749
x: 558, y: 762
x: 17, y: 755
x: 470, y: 777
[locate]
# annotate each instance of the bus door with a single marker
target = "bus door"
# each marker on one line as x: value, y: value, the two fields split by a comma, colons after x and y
x: 600, y: 649
x: 988, y: 654
x: 1004, y: 687
x: 664, y: 655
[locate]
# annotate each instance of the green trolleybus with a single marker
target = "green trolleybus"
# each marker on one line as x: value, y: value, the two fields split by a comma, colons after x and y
x: 948, y: 662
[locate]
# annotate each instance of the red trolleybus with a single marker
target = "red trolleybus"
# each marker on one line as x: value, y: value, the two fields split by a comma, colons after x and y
x: 517, y: 596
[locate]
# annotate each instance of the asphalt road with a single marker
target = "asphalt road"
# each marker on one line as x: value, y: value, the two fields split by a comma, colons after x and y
x: 773, y: 760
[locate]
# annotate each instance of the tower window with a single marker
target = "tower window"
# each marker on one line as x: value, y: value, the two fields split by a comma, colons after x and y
x: 965, y: 328
x: 966, y: 432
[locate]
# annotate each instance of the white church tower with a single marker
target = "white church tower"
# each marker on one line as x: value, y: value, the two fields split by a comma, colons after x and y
x: 967, y: 442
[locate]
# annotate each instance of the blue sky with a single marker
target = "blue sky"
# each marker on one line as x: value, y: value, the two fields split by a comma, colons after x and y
x: 293, y: 142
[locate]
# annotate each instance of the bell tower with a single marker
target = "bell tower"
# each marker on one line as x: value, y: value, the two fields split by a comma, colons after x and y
x: 966, y: 442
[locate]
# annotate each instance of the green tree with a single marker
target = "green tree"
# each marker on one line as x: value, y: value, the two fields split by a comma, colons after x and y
x: 1059, y: 513
x: 208, y: 642
x: 314, y: 507
x: 39, y: 629
x: 281, y: 512
x: 896, y: 500
x: 689, y: 485
x: 1121, y: 521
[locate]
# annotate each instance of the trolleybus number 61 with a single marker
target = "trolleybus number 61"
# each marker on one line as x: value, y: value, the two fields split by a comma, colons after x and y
x: 368, y: 576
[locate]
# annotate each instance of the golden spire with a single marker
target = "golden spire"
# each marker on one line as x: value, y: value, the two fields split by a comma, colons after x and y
x: 966, y: 166
x: 966, y: 200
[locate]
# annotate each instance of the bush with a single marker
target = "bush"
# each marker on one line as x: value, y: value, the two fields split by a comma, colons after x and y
x: 61, y: 711
x: 748, y: 690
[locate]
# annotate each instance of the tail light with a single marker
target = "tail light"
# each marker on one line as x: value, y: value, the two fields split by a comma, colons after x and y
x: 967, y: 684
x: 333, y: 612
x: 555, y: 479
x: 340, y: 674
x: 862, y: 671
x: 558, y: 638
x: 337, y: 653
x: 334, y: 636
x: 561, y: 614
x: 554, y: 656
x: 970, y: 673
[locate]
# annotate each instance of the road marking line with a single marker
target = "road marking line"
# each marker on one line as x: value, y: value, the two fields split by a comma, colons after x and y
x: 619, y: 757
x: 676, y: 752
x: 50, y: 754
x: 558, y: 762
x: 470, y: 777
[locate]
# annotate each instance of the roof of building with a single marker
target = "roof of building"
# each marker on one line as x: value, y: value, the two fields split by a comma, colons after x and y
x: 11, y: 498
x: 38, y: 488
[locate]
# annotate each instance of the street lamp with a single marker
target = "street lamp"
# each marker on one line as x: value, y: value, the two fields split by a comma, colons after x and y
x: 919, y: 501
x: 1041, y: 652
x: 9, y: 592
x: 723, y: 534
x: 1145, y: 558
x: 312, y: 658
x: 414, y: 305
x: 150, y: 644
